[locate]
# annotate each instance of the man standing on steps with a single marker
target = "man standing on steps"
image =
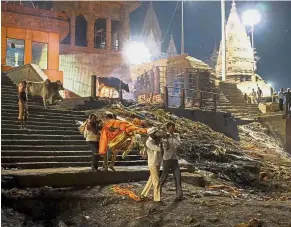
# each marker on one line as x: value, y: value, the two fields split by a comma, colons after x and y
x: 171, y: 145
x: 92, y: 135
x: 254, y: 97
x: 288, y: 99
x: 281, y: 99
x: 260, y: 94
x: 22, y: 104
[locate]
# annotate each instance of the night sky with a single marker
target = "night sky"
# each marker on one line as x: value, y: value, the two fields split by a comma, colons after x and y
x: 202, y: 24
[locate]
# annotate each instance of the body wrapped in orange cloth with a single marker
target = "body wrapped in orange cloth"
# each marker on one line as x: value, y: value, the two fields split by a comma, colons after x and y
x: 115, y: 132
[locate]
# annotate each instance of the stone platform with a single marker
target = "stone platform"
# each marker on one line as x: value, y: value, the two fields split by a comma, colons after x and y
x: 81, y: 177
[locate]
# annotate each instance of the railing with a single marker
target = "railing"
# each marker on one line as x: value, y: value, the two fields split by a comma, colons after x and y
x: 199, y: 99
x: 176, y: 98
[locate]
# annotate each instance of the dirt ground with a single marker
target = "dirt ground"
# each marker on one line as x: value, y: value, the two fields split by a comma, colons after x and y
x: 100, y: 206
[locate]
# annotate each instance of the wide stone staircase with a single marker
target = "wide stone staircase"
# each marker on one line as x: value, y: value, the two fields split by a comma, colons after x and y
x: 52, y: 139
x: 232, y: 100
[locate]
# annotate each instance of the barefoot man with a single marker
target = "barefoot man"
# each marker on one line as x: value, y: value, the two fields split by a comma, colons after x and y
x: 22, y: 104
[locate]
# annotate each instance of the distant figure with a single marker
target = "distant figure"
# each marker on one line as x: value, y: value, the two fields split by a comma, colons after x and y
x: 281, y: 99
x: 254, y: 97
x: 246, y: 97
x: 288, y: 99
x: 22, y: 104
x: 260, y: 94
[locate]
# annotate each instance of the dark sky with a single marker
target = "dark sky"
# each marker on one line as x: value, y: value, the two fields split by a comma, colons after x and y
x: 202, y: 22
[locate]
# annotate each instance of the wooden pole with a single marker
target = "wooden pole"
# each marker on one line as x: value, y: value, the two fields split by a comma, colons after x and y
x: 200, y: 99
x: 214, y: 101
x: 166, y: 97
x: 93, y: 86
x: 151, y: 97
x: 182, y: 28
x: 182, y: 96
x: 288, y: 132
x: 223, y: 42
x: 120, y: 91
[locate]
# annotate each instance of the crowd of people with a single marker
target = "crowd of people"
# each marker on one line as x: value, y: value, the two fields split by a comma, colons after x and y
x: 255, y: 97
x: 284, y: 97
x: 158, y: 150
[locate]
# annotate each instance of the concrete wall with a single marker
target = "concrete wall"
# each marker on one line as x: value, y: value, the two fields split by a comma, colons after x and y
x: 277, y: 126
x: 28, y: 72
x: 218, y: 121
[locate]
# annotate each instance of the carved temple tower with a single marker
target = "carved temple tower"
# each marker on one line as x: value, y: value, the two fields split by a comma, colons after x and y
x: 152, y: 35
x: 239, y: 51
x: 172, y: 50
x: 151, y: 32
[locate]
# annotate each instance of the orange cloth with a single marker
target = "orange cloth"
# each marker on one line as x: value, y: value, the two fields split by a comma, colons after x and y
x: 114, y: 128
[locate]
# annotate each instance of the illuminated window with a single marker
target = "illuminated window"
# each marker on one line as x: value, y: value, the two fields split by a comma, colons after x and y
x: 39, y: 54
x: 15, y: 52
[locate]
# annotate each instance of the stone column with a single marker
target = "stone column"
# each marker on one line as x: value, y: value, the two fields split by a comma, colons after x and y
x: 108, y: 34
x: 124, y: 17
x: 3, y: 45
x: 73, y: 28
x: 28, y: 47
x: 90, y: 31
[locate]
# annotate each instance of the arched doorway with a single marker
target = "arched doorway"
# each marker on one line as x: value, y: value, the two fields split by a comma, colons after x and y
x: 81, y: 31
x: 100, y: 33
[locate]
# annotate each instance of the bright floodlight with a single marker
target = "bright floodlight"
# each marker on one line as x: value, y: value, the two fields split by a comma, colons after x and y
x: 251, y: 17
x: 137, y: 53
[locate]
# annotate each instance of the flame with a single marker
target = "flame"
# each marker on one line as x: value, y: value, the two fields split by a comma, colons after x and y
x: 126, y: 191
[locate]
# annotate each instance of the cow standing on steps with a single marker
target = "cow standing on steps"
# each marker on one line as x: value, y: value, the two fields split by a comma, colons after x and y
x: 47, y: 90
x: 112, y: 83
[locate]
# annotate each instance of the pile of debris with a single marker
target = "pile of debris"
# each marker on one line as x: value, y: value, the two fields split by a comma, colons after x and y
x: 206, y: 149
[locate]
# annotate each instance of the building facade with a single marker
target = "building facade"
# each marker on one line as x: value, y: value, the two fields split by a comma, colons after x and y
x: 28, y: 33
x: 68, y: 40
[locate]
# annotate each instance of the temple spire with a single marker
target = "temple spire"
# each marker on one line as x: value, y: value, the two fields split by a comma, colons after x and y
x: 233, y: 6
x: 172, y: 50
x: 239, y: 53
x: 151, y: 25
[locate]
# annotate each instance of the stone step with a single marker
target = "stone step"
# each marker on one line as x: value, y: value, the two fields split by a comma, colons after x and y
x: 43, y: 112
x: 39, y: 132
x: 42, y: 142
x: 44, y: 153
x: 31, y: 147
x: 53, y: 119
x: 16, y: 126
x: 40, y: 109
x: 41, y: 165
x: 53, y: 124
x: 82, y: 158
x: 41, y: 137
x: 52, y: 153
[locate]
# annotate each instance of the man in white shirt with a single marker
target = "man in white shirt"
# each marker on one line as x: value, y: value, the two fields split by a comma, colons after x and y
x: 254, y: 97
x: 154, y: 155
x: 170, y: 161
x: 281, y: 99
